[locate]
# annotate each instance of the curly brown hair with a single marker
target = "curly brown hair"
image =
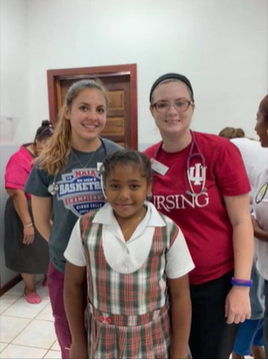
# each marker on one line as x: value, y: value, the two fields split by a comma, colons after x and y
x: 231, y: 133
x: 263, y: 108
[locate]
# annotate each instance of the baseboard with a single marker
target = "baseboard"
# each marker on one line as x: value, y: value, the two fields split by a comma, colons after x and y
x: 10, y: 284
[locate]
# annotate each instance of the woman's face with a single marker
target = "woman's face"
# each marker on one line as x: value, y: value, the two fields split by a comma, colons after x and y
x: 87, y: 116
x: 261, y: 128
x: 172, y: 121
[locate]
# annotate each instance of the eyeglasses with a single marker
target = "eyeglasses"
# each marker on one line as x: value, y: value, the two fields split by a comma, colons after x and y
x: 181, y: 105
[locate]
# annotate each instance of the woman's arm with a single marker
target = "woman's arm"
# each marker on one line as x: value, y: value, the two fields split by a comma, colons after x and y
x: 258, y: 231
x: 181, y: 313
x: 42, y: 211
x: 237, y: 307
x: 74, y: 307
x: 21, y: 206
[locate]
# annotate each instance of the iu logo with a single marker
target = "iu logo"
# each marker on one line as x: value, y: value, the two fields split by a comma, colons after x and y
x: 197, y: 174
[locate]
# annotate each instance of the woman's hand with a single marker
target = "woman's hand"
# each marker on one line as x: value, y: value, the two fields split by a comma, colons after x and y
x: 21, y: 206
x: 28, y: 235
x: 237, y: 305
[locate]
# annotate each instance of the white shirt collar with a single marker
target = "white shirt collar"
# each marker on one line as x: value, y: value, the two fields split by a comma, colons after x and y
x: 106, y: 216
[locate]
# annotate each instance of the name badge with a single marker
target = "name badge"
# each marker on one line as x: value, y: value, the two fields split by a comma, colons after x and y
x: 99, y: 166
x: 159, y: 167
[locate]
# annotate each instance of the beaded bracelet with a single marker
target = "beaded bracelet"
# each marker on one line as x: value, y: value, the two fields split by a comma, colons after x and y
x: 242, y: 283
x: 28, y: 225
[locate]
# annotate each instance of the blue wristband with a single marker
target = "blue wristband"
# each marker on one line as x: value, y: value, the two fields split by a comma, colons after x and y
x: 242, y: 283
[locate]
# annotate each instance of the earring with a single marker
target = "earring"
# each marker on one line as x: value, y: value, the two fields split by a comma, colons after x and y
x: 149, y: 197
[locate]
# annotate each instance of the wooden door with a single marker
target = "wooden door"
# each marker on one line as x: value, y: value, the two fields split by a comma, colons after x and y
x: 121, y: 83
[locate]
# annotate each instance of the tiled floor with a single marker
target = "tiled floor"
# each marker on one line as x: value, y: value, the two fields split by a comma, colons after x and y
x: 27, y: 331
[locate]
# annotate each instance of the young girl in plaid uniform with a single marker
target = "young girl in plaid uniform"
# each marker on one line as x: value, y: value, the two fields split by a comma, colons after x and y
x: 136, y: 262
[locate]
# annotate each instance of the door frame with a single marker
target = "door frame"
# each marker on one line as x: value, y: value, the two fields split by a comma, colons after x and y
x: 55, y: 75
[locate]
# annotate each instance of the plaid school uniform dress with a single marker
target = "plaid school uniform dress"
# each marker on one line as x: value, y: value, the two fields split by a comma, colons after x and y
x: 127, y: 314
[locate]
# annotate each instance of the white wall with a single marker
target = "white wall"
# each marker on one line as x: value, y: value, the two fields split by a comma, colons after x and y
x: 221, y: 45
x: 14, y: 67
x: 13, y: 97
x: 5, y: 153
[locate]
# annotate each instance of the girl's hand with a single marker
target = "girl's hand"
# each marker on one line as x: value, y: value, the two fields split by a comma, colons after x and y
x: 78, y: 350
x: 237, y: 305
x: 255, y: 224
x: 28, y: 235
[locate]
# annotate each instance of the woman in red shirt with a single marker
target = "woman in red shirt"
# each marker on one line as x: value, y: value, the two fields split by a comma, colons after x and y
x: 200, y: 182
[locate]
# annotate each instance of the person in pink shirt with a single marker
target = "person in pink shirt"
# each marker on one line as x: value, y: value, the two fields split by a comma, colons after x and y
x: 26, y: 251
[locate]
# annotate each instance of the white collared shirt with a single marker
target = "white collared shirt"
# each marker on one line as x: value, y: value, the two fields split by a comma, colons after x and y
x: 127, y: 257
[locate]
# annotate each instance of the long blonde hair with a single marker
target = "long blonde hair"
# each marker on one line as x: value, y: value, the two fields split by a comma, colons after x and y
x: 54, y: 158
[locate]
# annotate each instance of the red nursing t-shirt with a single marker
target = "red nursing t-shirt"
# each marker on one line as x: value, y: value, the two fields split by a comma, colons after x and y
x: 203, y: 217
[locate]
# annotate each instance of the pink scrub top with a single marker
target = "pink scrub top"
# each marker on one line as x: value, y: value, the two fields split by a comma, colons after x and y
x: 18, y: 169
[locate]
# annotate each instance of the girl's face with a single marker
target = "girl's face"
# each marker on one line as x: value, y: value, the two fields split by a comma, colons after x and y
x: 126, y: 191
x: 87, y: 116
x: 261, y: 129
x: 172, y: 121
